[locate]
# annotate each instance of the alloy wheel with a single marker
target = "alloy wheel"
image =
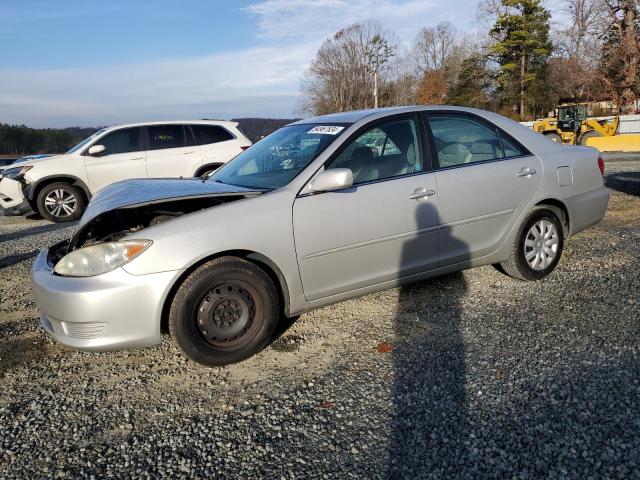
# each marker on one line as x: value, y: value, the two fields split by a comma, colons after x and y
x: 60, y: 203
x: 541, y: 244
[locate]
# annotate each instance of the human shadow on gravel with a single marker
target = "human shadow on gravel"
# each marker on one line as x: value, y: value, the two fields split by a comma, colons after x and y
x: 625, y: 182
x: 429, y: 425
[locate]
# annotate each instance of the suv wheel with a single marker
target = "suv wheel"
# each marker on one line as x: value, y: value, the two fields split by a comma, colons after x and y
x: 537, y: 248
x: 226, y: 311
x: 61, y: 202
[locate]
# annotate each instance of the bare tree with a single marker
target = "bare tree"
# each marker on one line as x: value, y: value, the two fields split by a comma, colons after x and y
x: 434, y: 46
x: 621, y: 53
x: 574, y: 70
x: 377, y: 54
x: 438, y: 56
x: 340, y: 78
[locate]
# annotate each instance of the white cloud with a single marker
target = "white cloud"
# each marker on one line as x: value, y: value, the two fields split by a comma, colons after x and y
x: 286, y: 19
x: 259, y: 81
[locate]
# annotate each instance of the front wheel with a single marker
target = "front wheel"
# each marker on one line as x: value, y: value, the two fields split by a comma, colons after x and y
x: 60, y: 202
x: 554, y: 137
x: 225, y: 311
x: 537, y: 247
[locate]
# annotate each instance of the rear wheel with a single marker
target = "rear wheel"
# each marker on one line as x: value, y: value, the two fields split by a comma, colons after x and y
x: 61, y: 202
x: 224, y: 312
x: 554, y: 137
x: 537, y: 248
x: 588, y: 135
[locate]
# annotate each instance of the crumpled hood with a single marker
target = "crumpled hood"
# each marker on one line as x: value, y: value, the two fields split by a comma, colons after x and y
x: 130, y: 193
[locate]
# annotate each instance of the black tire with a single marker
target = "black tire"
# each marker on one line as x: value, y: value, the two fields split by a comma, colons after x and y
x: 226, y: 311
x: 587, y: 136
x: 207, y: 170
x: 517, y: 265
x: 554, y: 137
x: 65, y: 191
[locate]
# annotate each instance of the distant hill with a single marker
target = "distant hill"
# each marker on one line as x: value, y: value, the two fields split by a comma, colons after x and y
x: 256, y: 128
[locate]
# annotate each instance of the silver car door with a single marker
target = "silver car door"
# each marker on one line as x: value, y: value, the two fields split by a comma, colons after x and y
x: 485, y: 179
x: 382, y: 228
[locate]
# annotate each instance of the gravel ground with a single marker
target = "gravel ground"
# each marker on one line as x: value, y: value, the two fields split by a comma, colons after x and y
x: 472, y: 375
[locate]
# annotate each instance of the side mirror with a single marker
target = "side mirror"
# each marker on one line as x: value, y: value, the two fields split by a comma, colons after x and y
x: 96, y: 150
x: 330, y: 180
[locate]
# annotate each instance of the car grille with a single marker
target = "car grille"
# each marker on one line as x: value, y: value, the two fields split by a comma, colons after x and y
x: 83, y: 331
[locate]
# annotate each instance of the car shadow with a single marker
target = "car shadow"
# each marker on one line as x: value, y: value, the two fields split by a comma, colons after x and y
x: 624, y: 182
x: 27, y: 232
x: 429, y: 365
x: 11, y: 260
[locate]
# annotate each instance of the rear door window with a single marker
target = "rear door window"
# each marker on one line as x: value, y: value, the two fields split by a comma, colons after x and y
x: 166, y: 136
x: 122, y: 141
x: 463, y: 139
x: 206, y: 134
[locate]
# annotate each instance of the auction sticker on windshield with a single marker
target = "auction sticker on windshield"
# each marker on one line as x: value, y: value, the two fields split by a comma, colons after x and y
x: 326, y: 129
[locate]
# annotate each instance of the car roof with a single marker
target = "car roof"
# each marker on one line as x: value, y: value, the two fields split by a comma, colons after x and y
x: 222, y: 123
x: 357, y: 115
x: 346, y: 117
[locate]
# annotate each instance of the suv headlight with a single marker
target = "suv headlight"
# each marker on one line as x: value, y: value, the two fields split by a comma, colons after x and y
x: 101, y: 258
x: 15, y: 173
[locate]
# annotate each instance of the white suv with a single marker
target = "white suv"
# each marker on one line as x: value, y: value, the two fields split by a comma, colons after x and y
x: 60, y: 187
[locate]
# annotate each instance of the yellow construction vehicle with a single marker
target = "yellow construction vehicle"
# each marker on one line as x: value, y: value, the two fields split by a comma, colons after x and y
x: 571, y: 124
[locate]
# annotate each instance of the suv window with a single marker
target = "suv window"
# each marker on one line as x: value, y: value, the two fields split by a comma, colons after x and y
x: 462, y: 139
x: 166, y: 136
x: 122, y: 141
x: 206, y: 134
x: 388, y: 150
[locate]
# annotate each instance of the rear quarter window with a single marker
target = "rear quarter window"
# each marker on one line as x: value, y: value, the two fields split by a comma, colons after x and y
x: 206, y: 134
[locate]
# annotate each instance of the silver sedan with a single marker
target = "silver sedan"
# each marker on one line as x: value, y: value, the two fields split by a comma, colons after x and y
x: 322, y: 210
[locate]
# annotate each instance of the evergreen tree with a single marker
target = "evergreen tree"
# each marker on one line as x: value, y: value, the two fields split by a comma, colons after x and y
x: 521, y: 50
x: 475, y: 85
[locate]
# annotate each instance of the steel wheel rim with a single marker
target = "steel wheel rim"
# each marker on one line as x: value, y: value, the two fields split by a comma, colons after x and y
x: 226, y: 315
x: 541, y: 245
x: 60, y: 203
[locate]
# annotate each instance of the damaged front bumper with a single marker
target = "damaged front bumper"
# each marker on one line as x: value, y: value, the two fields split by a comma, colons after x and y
x: 12, y: 198
x: 107, y: 312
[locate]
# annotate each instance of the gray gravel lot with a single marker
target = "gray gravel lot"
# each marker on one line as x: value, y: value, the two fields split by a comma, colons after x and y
x: 485, y: 377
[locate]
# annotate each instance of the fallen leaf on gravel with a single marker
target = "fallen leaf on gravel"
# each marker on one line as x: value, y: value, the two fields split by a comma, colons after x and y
x: 326, y: 405
x: 384, y: 347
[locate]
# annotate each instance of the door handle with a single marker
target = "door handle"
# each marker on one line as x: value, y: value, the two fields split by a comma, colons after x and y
x: 421, y: 193
x: 526, y: 172
x: 136, y: 158
x: 187, y: 153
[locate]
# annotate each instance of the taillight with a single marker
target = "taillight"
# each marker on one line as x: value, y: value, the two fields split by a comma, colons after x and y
x: 601, y: 165
x: 244, y: 148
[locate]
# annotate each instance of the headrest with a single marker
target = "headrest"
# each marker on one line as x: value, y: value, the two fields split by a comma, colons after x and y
x: 483, y: 148
x: 454, y: 149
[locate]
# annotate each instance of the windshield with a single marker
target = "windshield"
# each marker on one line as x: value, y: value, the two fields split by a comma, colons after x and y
x: 275, y: 160
x: 85, y: 141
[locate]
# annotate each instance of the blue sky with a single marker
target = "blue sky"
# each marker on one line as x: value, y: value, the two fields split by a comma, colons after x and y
x: 90, y: 63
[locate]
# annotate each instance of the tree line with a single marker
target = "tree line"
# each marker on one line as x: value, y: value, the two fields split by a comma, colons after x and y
x: 519, y: 65
x: 21, y: 140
